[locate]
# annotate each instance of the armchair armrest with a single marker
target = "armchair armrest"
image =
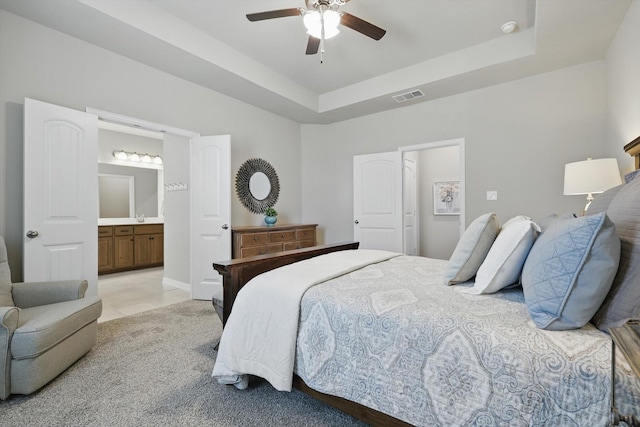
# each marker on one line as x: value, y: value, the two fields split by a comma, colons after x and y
x: 8, y: 324
x: 33, y: 294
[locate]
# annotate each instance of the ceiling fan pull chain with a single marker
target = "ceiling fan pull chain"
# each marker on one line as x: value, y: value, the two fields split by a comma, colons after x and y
x: 322, y: 35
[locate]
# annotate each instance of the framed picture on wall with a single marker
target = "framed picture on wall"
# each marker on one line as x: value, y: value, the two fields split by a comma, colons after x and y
x: 446, y: 198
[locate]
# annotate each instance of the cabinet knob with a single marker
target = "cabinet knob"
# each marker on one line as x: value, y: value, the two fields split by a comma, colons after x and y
x: 255, y: 238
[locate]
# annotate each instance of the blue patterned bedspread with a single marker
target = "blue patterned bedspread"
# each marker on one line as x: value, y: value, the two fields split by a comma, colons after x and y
x: 393, y: 337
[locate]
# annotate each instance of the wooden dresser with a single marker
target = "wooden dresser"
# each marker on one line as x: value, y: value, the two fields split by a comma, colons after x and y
x: 130, y: 247
x: 258, y: 240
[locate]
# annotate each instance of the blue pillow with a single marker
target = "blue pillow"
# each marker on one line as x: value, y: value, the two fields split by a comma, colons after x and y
x: 472, y: 248
x: 569, y: 271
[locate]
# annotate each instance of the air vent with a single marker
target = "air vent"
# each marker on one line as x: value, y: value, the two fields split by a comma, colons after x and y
x: 408, y: 96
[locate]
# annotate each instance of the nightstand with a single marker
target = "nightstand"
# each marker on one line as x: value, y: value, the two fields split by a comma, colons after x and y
x: 627, y: 339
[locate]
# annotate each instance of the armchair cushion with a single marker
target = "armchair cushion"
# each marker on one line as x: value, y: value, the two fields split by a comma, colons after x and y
x: 34, y: 294
x: 43, y: 327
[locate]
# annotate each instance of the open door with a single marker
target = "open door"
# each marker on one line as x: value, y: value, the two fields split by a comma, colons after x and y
x: 377, y: 201
x: 60, y: 194
x: 210, y: 212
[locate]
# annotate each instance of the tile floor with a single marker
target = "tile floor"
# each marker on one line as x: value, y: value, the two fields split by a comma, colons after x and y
x: 131, y: 292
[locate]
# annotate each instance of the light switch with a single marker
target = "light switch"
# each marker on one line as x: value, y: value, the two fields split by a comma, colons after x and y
x: 492, y: 195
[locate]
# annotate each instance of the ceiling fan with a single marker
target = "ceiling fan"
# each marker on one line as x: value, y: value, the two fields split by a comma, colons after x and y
x: 321, y: 18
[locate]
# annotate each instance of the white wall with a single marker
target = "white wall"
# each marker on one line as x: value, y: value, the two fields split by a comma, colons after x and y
x: 438, y: 233
x: 623, y: 88
x: 41, y: 63
x: 518, y: 137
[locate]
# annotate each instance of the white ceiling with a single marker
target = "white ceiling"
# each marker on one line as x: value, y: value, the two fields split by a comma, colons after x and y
x: 442, y: 47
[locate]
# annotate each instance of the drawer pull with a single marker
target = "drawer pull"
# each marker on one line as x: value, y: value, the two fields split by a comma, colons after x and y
x: 255, y: 238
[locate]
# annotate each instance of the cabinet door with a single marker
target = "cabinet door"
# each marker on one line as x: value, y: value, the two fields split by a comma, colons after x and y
x: 123, y: 251
x: 105, y: 254
x: 149, y: 249
x: 156, y: 248
x: 142, y: 250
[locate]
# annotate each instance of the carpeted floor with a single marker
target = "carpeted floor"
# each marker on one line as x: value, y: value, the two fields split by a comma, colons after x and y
x: 154, y: 369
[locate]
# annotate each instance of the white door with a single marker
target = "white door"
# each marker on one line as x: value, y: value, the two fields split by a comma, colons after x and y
x: 410, y: 202
x: 60, y: 194
x: 210, y: 212
x: 377, y: 201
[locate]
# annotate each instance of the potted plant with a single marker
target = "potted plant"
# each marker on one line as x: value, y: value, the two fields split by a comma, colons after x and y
x: 271, y: 216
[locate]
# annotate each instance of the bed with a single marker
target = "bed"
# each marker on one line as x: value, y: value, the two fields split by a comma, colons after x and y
x: 384, y: 339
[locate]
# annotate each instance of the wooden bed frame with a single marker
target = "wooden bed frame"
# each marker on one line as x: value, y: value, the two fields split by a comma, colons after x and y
x: 237, y: 272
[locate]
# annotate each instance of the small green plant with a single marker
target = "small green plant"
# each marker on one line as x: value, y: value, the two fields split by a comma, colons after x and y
x: 270, y: 212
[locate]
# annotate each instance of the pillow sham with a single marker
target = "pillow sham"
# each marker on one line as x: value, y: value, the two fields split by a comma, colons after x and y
x: 471, y: 250
x: 602, y: 201
x: 569, y: 271
x: 623, y: 301
x: 504, y: 262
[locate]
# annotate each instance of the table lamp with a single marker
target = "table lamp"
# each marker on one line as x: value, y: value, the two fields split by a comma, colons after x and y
x: 590, y: 177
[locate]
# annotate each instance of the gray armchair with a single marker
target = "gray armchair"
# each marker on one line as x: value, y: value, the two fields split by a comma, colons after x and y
x: 44, y: 328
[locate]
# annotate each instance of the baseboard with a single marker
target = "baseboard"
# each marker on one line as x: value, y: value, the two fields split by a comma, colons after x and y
x: 177, y: 284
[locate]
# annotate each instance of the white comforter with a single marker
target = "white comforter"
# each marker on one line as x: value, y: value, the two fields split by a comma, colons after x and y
x: 260, y: 335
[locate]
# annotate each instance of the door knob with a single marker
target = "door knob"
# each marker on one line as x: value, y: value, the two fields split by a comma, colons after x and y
x: 356, y: 221
x: 225, y: 227
x: 32, y: 234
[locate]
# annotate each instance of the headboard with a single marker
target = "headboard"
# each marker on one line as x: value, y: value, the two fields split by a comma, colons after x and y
x: 633, y: 148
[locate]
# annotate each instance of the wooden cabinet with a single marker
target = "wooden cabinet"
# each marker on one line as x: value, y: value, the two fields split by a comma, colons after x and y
x: 252, y: 241
x: 130, y: 247
x: 105, y: 249
x: 148, y: 245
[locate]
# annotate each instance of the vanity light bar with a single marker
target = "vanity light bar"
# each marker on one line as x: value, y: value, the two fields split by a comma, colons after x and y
x: 135, y: 157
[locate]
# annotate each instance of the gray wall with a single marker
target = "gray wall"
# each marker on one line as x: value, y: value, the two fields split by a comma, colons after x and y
x: 518, y: 137
x: 623, y: 89
x: 41, y: 63
x: 437, y: 232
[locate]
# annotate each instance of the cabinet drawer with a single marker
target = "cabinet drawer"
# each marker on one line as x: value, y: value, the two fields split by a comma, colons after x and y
x: 298, y: 245
x: 123, y: 230
x: 254, y: 239
x: 260, y: 250
x: 305, y: 233
x: 148, y: 229
x: 105, y: 231
x: 282, y: 236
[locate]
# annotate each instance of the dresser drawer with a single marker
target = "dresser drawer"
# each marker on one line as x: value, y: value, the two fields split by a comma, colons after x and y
x: 254, y: 239
x: 282, y: 236
x: 260, y: 250
x: 305, y: 233
x: 298, y: 245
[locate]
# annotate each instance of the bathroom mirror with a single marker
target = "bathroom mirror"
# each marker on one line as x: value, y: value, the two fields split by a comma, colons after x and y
x: 126, y: 191
x: 257, y: 185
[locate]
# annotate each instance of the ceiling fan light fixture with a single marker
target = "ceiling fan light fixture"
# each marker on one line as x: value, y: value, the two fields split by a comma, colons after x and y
x: 313, y: 23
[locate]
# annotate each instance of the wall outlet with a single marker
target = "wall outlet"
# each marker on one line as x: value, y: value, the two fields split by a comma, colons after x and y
x: 492, y: 195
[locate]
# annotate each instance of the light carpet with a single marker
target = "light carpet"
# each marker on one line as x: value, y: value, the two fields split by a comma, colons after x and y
x: 154, y: 369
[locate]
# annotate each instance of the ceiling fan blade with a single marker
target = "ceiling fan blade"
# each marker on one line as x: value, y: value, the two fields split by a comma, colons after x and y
x: 312, y: 45
x: 260, y: 16
x: 362, y: 26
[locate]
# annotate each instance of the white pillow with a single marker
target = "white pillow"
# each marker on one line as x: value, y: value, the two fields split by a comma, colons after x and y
x: 503, y: 265
x: 471, y: 249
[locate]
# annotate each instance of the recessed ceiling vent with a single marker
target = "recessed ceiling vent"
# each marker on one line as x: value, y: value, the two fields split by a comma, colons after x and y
x: 408, y: 96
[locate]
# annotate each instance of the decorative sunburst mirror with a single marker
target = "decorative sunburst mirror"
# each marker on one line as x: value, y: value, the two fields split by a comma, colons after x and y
x: 257, y: 185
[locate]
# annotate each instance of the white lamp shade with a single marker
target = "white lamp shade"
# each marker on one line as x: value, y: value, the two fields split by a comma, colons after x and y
x: 313, y: 23
x: 591, y: 176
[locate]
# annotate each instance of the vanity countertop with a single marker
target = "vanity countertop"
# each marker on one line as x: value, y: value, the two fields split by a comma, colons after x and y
x: 129, y: 221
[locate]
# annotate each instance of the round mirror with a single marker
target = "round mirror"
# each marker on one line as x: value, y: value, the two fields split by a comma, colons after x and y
x: 257, y: 185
